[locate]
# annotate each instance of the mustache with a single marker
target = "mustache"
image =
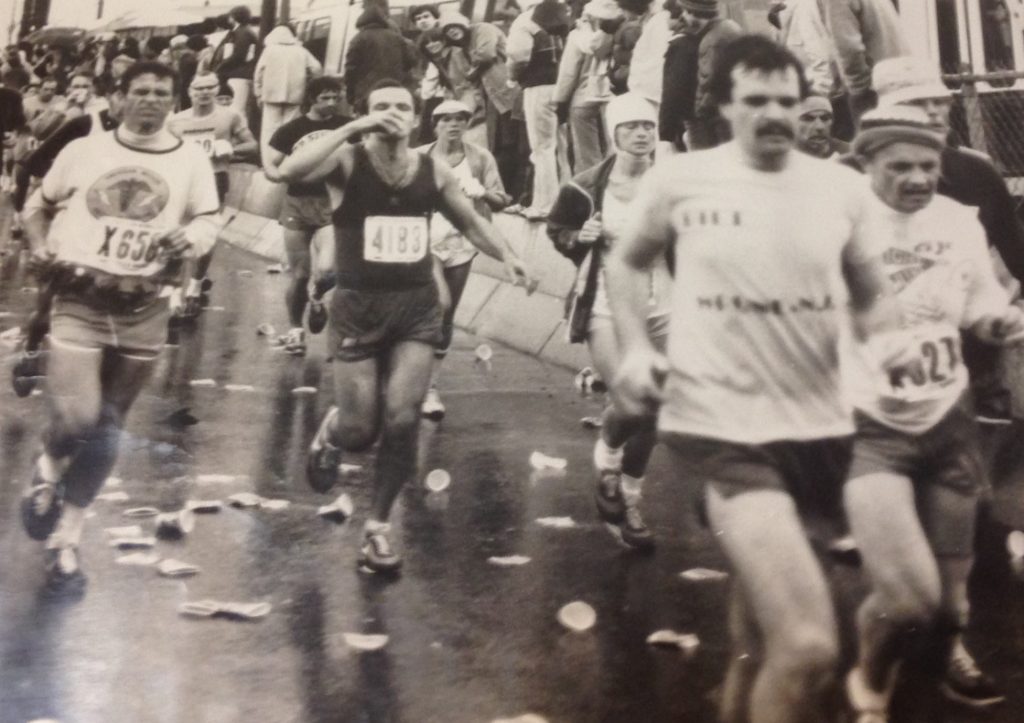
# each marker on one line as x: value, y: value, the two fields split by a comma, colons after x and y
x: 775, y: 128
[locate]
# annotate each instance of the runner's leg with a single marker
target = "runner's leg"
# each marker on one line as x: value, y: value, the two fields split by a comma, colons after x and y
x: 356, y: 395
x: 746, y: 657
x: 410, y: 365
x: 296, y: 246
x: 761, y: 534
x: 905, y: 585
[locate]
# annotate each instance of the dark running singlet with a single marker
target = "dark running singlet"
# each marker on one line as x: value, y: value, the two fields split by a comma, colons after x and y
x: 382, y: 233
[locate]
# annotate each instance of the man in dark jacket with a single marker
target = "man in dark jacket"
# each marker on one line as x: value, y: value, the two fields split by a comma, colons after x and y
x: 12, y: 118
x: 686, y: 104
x: 237, y: 64
x: 377, y: 51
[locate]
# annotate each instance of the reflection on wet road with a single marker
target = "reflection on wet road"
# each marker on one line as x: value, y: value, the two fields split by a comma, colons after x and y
x: 467, y: 640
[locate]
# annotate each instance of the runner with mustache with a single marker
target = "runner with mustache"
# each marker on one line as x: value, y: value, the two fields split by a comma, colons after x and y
x: 749, y: 390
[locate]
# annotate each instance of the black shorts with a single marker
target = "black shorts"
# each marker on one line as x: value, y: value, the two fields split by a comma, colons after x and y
x: 811, y: 471
x: 366, y: 324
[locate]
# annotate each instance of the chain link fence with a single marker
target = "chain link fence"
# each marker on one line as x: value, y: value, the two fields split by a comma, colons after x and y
x: 988, y: 116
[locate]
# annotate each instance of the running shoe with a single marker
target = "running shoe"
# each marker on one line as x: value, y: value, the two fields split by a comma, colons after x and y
x: 632, y: 532
x: 324, y: 458
x: 611, y: 506
x: 966, y: 684
x: 205, y: 285
x: 433, y: 407
x: 191, y: 308
x: 41, y: 507
x: 26, y: 373
x: 64, y: 574
x: 294, y: 342
x: 376, y: 553
x: 317, y: 318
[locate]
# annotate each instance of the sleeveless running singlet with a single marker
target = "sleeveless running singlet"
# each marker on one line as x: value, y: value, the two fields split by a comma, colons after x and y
x: 382, y: 233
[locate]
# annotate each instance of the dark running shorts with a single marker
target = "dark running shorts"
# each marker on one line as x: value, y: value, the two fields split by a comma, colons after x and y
x: 367, y: 324
x: 811, y: 471
x: 305, y: 213
x: 947, y: 456
x: 140, y: 333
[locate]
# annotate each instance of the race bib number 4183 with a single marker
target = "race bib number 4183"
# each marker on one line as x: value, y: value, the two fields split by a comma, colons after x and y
x: 395, y: 239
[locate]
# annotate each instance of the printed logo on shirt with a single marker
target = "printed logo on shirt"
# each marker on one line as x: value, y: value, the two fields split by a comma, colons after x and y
x: 132, y: 193
x: 308, y: 138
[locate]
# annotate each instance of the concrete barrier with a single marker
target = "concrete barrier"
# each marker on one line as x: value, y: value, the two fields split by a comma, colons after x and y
x: 491, y: 307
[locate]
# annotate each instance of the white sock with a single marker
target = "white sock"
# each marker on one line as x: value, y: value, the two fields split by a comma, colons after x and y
x: 49, y: 468
x: 69, y: 528
x: 605, y: 457
x: 632, y: 488
x: 373, y: 526
x: 862, y: 697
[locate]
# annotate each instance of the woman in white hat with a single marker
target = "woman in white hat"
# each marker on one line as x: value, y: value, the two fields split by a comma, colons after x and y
x: 477, y: 171
x: 584, y: 222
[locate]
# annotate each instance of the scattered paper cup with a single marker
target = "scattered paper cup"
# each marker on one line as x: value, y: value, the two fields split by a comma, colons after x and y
x: 577, y: 616
x: 438, y: 480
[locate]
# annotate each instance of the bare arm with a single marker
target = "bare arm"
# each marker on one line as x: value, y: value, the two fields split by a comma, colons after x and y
x: 313, y: 161
x: 272, y: 159
x: 242, y: 140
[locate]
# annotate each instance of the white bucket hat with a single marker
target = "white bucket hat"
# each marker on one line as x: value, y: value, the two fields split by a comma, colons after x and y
x: 904, y: 79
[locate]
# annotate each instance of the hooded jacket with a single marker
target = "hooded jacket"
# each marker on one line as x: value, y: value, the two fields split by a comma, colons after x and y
x: 536, y: 40
x: 284, y: 68
x: 485, y: 51
x: 377, y: 51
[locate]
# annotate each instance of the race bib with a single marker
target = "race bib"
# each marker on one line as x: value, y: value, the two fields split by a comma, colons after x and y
x: 938, y: 368
x: 395, y: 239
x: 204, y: 140
x: 125, y: 247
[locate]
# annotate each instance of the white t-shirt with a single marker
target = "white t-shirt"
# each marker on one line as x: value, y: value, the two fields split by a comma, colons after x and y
x: 938, y: 263
x: 759, y: 297
x: 117, y: 201
x: 223, y: 124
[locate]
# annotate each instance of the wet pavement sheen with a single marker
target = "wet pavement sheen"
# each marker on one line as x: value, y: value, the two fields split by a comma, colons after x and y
x: 468, y: 641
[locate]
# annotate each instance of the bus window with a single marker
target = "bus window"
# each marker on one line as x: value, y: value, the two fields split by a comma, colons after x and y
x: 316, y: 37
x: 997, y: 35
x: 949, y: 37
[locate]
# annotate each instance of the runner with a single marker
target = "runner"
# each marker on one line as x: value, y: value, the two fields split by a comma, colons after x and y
x: 752, y: 400
x: 917, y: 464
x: 477, y: 174
x: 587, y: 218
x: 385, y: 313
x: 30, y: 366
x: 132, y: 202
x: 223, y: 135
x: 306, y: 208
x: 969, y: 178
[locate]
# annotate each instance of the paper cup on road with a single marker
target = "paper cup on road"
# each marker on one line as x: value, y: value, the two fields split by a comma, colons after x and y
x: 175, y: 525
x: 484, y: 353
x: 176, y: 568
x: 141, y: 512
x: 438, y: 480
x: 359, y: 641
x: 1015, y: 544
x: 541, y: 461
x: 577, y: 616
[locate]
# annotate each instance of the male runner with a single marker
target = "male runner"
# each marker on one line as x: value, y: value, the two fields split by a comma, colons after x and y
x: 223, y: 135
x: 306, y: 207
x: 385, y: 312
x: 969, y: 178
x: 917, y: 467
x: 132, y: 201
x: 752, y: 404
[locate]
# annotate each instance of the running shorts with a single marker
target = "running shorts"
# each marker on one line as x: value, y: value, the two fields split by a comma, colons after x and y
x: 305, y: 213
x: 811, y: 471
x: 367, y: 324
x: 137, y: 333
x: 948, y: 456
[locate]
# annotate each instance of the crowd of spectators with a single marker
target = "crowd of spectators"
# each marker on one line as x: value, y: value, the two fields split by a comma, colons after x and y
x: 537, y: 79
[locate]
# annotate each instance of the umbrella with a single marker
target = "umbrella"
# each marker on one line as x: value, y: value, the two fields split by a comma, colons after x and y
x: 55, y: 35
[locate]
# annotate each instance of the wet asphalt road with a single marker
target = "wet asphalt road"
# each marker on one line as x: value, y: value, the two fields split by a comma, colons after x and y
x: 468, y: 641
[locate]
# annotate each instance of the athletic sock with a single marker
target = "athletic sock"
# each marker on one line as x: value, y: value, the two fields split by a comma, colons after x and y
x: 632, y: 488
x: 373, y: 527
x: 69, y: 528
x: 864, y: 698
x: 607, y: 458
x: 50, y: 469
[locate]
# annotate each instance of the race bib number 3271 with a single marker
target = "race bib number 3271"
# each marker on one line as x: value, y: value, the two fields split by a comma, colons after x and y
x: 395, y: 239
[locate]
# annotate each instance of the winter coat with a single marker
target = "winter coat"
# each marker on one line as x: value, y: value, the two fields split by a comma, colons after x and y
x: 536, y: 41
x: 803, y: 32
x: 241, y: 61
x: 377, y: 51
x: 863, y: 32
x: 582, y: 72
x: 487, y: 54
x: 283, y: 69
x: 712, y: 38
x: 578, y: 201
